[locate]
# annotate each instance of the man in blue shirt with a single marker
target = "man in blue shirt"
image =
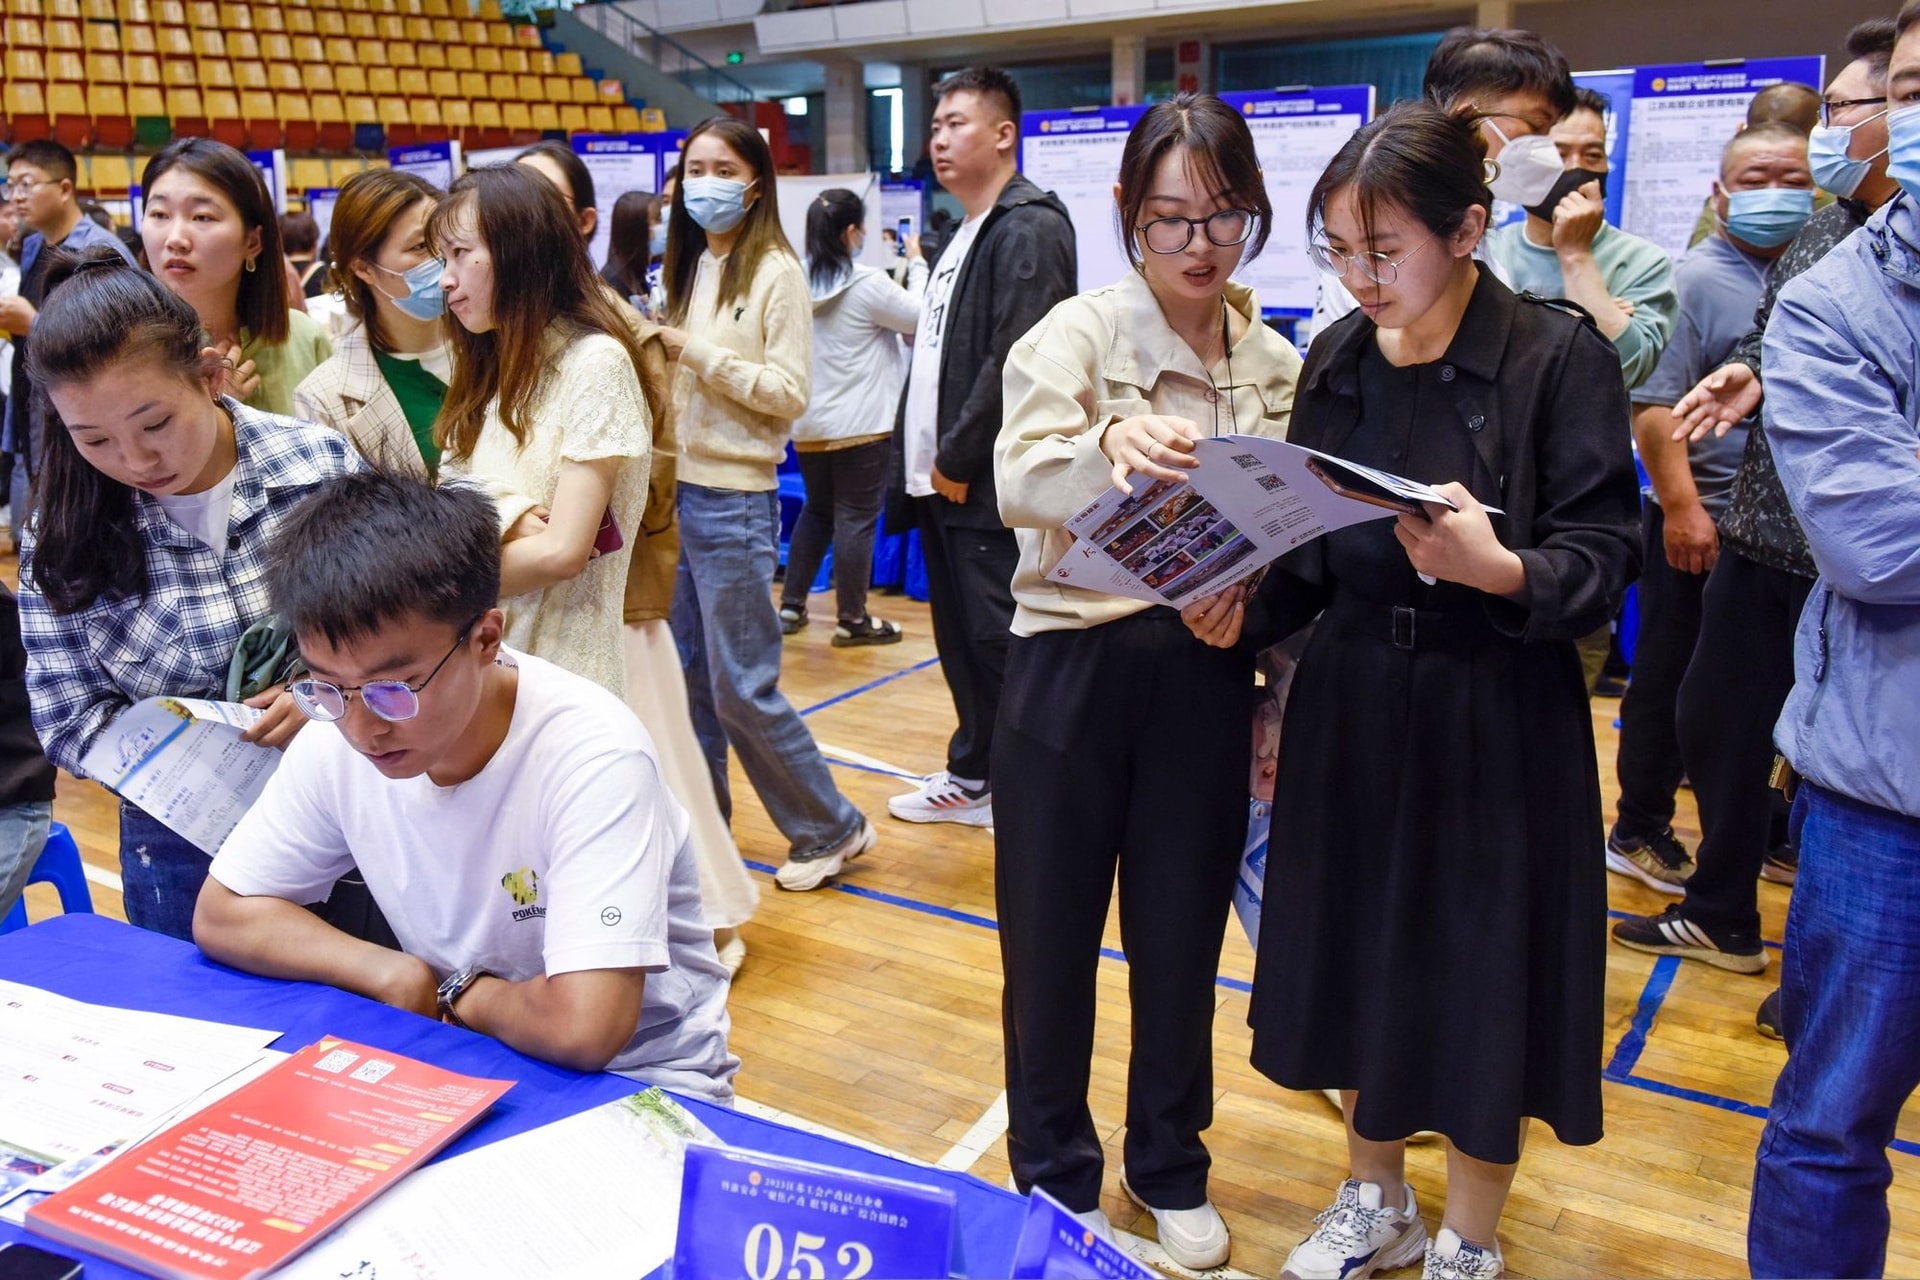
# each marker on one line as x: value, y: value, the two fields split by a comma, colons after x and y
x: 1842, y: 400
x: 41, y: 182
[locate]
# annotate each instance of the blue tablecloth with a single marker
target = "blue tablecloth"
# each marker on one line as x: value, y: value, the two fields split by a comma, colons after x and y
x: 104, y: 961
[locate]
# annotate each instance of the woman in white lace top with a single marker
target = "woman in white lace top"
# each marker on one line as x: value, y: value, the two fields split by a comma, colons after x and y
x: 545, y: 410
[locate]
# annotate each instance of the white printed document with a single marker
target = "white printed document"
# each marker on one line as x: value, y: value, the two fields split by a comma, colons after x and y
x: 182, y: 760
x: 1249, y: 502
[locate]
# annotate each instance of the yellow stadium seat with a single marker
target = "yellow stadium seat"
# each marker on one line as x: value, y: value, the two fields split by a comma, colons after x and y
x: 25, y: 33
x: 414, y: 83
x: 532, y: 88
x: 501, y: 35
x: 585, y: 91
x: 418, y: 29
x: 330, y: 114
x: 72, y: 124
x: 301, y: 22
x: 110, y: 174
x: 242, y: 44
x: 309, y: 50
x: 25, y: 103
x: 627, y: 120
x: 360, y: 109
x: 473, y: 86
x: 237, y: 17
x: 370, y: 53
x: 331, y: 22
x: 223, y: 113
x: 276, y: 46
x: 67, y: 66
x: 102, y: 37
x: 170, y: 13
x: 611, y: 91
x: 318, y: 78
x: 525, y: 37
x: 443, y: 84
x: 488, y: 60
x: 25, y: 64
x: 338, y: 171
x: 64, y: 33
x: 436, y: 8
x: 558, y: 89
x: 296, y: 117
x: 214, y: 73
x: 459, y: 57
x: 351, y: 79
x: 105, y: 68
x: 269, y: 17
x: 456, y: 114
x: 210, y: 44
x: 568, y: 64
x: 545, y: 117
x: 428, y: 125
x: 503, y: 87
x: 383, y: 82
x: 262, y: 117
x: 447, y: 31
x: 180, y: 73
x: 99, y: 11
x: 251, y: 75
x: 138, y: 39
x: 142, y: 68
x: 146, y: 100
x: 130, y: 11
x: 390, y: 26
x: 486, y: 115
x: 402, y: 53
x: 489, y: 11
x: 432, y: 56
x: 306, y: 173
x: 600, y: 119
x: 472, y: 32
x: 188, y: 111
x: 203, y: 13
x: 284, y: 75
x: 63, y: 9
x: 573, y: 117
x: 340, y: 51
x: 175, y: 42
x: 361, y: 26
x: 514, y: 60
x: 540, y: 62
x: 519, y: 123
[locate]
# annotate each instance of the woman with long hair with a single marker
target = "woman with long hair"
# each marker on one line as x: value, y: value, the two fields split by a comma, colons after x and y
x: 844, y: 441
x: 144, y: 564
x: 739, y: 325
x: 630, y: 244
x: 1434, y: 942
x: 384, y: 384
x: 1107, y: 698
x: 546, y: 409
x: 212, y: 237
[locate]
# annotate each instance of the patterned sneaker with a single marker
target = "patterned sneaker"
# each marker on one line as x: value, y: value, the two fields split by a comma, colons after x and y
x: 801, y: 874
x: 1451, y: 1258
x: 941, y: 799
x: 1357, y: 1236
x: 1672, y: 934
x: 1659, y: 861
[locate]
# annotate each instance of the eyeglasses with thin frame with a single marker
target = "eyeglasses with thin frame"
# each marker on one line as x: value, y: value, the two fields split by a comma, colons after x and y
x: 1225, y: 228
x: 1829, y: 107
x: 21, y: 188
x: 1377, y: 267
x: 391, y: 700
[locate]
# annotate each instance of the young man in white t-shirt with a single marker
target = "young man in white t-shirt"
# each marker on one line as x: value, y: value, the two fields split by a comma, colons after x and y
x: 507, y: 815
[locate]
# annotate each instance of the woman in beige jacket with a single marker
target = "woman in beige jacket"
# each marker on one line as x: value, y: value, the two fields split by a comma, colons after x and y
x: 384, y: 384
x: 1122, y: 740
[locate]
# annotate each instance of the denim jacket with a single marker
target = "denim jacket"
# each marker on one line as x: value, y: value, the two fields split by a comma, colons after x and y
x: 1842, y: 356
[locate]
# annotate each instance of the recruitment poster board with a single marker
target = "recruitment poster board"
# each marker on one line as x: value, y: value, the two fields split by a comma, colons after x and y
x: 619, y: 163
x: 1617, y: 88
x: 1679, y: 117
x: 1295, y: 132
x: 437, y: 162
x: 273, y: 171
x: 1076, y: 155
x: 320, y: 202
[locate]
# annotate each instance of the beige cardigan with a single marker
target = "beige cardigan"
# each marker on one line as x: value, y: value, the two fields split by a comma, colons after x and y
x: 348, y: 394
x: 746, y: 373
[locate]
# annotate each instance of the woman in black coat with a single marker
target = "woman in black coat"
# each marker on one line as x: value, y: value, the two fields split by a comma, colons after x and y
x: 1433, y: 943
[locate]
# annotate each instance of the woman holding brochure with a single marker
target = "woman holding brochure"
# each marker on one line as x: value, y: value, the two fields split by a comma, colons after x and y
x: 1122, y: 741
x: 143, y: 566
x: 1434, y: 944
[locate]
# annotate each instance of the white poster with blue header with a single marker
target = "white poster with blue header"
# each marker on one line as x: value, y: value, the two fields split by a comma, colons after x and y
x: 619, y: 163
x: 1679, y: 118
x: 1296, y: 132
x: 1076, y: 155
x: 273, y: 171
x: 437, y: 162
x: 320, y: 202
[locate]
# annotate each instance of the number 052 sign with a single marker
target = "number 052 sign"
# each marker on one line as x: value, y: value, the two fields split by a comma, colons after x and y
x: 768, y: 1218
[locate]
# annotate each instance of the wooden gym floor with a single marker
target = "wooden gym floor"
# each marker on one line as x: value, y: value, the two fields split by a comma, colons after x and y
x: 870, y: 1008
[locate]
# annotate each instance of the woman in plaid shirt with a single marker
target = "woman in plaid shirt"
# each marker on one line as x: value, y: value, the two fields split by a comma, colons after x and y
x: 142, y: 565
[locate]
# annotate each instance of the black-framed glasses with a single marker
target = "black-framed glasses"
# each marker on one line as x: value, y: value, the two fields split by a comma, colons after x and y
x: 1377, y: 267
x: 391, y: 700
x: 1827, y: 108
x: 1225, y: 228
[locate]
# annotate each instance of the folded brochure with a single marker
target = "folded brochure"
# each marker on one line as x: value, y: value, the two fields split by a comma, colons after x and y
x: 239, y: 1187
x: 182, y: 760
x: 1249, y: 502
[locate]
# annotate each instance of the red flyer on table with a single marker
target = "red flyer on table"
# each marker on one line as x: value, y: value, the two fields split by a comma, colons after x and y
x: 240, y: 1187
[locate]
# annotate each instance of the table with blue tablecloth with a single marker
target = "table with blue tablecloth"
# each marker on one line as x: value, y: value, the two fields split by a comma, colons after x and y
x: 96, y: 959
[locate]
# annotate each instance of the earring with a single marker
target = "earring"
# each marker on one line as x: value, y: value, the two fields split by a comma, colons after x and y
x: 250, y: 266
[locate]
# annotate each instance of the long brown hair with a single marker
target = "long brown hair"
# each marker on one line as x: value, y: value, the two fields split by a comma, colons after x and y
x: 760, y: 232
x: 542, y: 276
x: 263, y: 303
x: 369, y: 203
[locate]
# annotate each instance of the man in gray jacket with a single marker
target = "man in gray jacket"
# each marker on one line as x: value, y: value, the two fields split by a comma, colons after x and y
x: 1003, y: 269
x: 1843, y: 397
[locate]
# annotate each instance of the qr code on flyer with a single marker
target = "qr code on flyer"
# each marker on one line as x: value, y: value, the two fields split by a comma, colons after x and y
x: 337, y: 1061
x: 1247, y: 462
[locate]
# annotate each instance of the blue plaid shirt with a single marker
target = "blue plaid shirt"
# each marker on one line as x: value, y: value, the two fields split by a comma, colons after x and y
x: 84, y: 668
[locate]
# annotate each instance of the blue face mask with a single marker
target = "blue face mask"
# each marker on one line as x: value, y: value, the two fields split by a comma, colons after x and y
x: 1903, y: 150
x: 717, y: 204
x: 1769, y: 217
x: 1833, y: 168
x: 657, y: 242
x: 423, y: 299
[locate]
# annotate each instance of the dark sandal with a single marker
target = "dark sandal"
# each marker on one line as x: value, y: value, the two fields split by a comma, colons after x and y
x: 870, y: 630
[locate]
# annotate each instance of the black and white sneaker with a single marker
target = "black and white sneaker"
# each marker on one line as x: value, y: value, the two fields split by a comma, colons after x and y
x: 1658, y: 861
x: 1672, y: 934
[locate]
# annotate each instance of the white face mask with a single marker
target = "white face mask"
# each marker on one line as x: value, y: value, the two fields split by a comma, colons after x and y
x: 1526, y: 169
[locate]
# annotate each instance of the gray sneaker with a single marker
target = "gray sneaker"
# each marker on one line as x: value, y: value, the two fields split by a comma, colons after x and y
x: 810, y: 872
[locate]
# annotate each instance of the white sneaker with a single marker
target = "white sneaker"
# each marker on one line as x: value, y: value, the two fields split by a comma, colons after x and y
x: 800, y: 875
x: 1195, y: 1238
x: 941, y: 799
x: 1451, y: 1258
x: 1358, y: 1235
x: 1095, y: 1220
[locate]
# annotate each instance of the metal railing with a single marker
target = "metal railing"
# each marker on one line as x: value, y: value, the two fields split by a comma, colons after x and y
x: 649, y: 44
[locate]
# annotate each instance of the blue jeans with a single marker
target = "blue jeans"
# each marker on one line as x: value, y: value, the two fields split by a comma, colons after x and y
x: 1850, y: 1011
x: 160, y: 874
x: 23, y: 834
x: 728, y: 633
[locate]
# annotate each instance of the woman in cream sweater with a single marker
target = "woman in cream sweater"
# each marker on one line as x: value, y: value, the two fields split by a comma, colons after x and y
x: 741, y: 327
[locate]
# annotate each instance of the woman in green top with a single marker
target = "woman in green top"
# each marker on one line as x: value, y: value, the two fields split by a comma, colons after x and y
x: 384, y: 384
x: 211, y: 237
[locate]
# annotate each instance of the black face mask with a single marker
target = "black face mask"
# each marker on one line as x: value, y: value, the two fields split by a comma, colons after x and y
x: 1570, y: 181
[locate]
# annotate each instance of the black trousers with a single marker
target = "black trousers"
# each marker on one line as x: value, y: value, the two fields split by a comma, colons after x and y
x: 1741, y: 673
x: 1648, y: 762
x: 970, y: 587
x: 846, y: 488
x: 1126, y: 745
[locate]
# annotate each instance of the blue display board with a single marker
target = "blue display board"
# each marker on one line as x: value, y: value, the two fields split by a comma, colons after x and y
x: 1076, y: 155
x: 438, y: 162
x: 1617, y: 88
x: 273, y: 171
x: 619, y: 163
x: 320, y: 202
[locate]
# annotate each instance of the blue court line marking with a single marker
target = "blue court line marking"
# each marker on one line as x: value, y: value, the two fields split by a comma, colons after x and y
x: 1626, y: 1054
x: 870, y: 686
